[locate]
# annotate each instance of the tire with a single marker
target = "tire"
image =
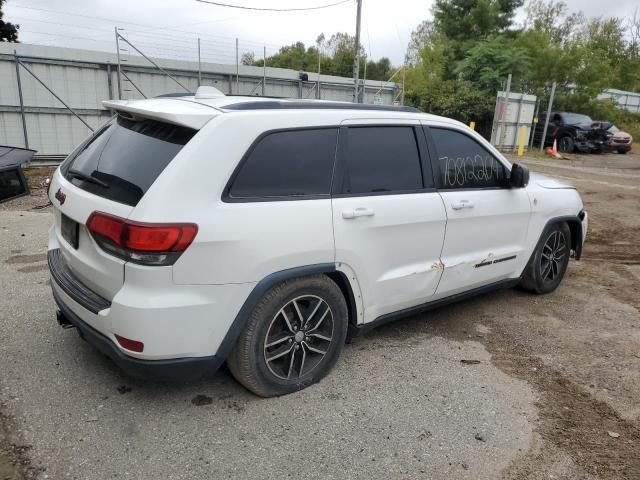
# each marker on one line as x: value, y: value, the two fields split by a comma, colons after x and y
x: 296, y: 361
x: 566, y: 144
x: 622, y: 151
x: 542, y: 274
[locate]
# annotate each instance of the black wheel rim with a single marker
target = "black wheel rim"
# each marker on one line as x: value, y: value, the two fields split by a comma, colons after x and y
x: 298, y: 337
x: 553, y: 255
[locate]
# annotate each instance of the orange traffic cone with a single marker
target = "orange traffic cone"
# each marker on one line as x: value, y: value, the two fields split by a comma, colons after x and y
x: 554, y: 150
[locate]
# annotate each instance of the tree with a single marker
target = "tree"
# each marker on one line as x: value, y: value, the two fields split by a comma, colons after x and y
x: 8, y: 31
x: 489, y: 62
x: 336, y: 59
x: 464, y: 22
x: 295, y: 56
x: 249, y: 58
x: 380, y: 70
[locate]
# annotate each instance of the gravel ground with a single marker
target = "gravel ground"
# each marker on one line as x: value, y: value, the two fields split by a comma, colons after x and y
x: 556, y: 375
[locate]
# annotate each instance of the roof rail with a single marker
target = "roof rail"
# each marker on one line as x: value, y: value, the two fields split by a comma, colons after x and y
x: 293, y: 105
x: 175, y: 94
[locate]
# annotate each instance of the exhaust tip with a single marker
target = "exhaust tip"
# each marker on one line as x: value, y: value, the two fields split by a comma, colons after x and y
x: 63, y: 321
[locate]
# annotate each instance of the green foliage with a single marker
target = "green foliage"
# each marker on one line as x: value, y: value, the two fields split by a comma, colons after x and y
x: 464, y: 22
x: 337, y: 58
x: 489, y: 62
x: 296, y: 57
x: 8, y: 31
x: 470, y: 47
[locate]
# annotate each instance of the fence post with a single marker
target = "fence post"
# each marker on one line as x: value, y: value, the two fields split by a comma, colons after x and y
x: 237, y: 70
x: 199, y: 65
x: 109, y: 82
x: 264, y: 70
x: 503, y: 129
x: 24, y: 122
x: 230, y: 81
x: 119, y: 67
x: 535, y: 123
x: 546, y: 120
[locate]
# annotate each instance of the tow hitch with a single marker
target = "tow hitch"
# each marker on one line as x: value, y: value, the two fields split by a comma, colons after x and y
x: 63, y: 321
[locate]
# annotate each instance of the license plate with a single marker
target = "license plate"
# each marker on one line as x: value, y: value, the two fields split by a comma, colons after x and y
x: 69, y: 229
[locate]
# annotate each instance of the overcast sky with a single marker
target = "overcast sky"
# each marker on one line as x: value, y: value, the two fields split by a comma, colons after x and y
x: 170, y: 27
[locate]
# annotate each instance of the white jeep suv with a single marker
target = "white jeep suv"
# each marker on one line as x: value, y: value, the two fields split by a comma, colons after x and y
x: 190, y: 231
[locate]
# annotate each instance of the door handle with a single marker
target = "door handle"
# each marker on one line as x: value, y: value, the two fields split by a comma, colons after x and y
x: 357, y: 212
x: 462, y: 204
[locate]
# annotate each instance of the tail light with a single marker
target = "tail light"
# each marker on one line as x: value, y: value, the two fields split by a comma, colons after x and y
x: 143, y: 243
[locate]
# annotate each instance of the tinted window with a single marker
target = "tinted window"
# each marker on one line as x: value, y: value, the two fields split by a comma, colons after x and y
x: 288, y: 163
x: 126, y: 157
x: 464, y: 163
x: 381, y: 159
x: 11, y: 184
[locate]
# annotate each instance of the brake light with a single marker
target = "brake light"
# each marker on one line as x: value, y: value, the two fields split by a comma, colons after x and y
x: 144, y: 243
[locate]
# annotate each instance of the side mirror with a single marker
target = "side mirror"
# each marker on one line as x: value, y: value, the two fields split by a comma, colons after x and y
x: 519, y: 177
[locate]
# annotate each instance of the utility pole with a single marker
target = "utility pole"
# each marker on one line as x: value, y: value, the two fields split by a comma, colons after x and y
x: 356, y: 59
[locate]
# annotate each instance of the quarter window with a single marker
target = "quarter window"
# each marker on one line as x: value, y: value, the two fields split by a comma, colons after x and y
x: 381, y: 159
x: 464, y: 163
x: 290, y: 163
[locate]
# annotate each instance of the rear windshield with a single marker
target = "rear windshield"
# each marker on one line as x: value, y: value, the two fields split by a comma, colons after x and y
x: 123, y: 159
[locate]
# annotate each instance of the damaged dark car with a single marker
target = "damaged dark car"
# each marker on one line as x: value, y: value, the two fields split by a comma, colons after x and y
x: 577, y: 132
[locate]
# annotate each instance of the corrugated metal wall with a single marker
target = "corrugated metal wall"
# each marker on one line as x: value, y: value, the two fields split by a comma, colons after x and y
x: 83, y: 79
x: 624, y: 99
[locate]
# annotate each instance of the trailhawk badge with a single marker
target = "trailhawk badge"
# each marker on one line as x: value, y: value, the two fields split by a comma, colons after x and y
x: 60, y: 196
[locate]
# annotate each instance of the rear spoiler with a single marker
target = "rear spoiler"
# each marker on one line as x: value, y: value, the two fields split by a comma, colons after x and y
x: 170, y: 110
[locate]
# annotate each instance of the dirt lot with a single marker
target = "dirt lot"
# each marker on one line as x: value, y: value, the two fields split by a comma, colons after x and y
x: 555, y: 395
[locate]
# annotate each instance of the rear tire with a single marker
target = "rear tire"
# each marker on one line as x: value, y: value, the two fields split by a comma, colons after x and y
x: 549, y: 261
x: 293, y: 337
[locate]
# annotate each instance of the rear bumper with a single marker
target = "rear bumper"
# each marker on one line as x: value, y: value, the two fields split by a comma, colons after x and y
x: 175, y: 369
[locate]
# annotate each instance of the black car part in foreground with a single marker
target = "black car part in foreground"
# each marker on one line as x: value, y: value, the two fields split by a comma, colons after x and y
x: 13, y: 183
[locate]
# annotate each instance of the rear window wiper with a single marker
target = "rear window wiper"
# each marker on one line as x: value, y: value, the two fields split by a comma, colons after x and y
x: 87, y: 178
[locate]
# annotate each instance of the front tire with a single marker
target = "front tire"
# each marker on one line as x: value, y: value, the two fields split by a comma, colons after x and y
x: 566, y: 144
x: 549, y: 262
x: 293, y: 337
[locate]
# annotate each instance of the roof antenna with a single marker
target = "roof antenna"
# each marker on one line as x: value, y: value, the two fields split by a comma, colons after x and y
x: 208, y: 92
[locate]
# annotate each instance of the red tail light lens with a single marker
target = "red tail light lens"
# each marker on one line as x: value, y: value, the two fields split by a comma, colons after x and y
x: 144, y: 243
x: 133, y: 345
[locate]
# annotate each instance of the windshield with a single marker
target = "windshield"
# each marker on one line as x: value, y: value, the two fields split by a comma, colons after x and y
x: 576, y: 118
x: 123, y: 159
x: 613, y: 129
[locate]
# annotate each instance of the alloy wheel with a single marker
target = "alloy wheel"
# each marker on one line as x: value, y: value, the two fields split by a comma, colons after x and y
x: 298, y: 337
x: 552, y: 258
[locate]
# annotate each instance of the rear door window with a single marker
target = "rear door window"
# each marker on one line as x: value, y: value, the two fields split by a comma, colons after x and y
x: 123, y: 159
x: 381, y: 159
x: 287, y: 164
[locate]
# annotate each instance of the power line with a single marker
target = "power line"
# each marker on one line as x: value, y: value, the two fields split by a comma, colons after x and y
x: 261, y: 9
